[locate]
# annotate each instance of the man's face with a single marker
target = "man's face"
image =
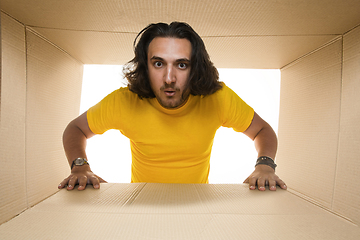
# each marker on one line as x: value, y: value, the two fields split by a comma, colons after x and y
x: 169, y: 70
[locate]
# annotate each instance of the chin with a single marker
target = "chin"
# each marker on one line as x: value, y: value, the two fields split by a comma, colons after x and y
x: 167, y: 104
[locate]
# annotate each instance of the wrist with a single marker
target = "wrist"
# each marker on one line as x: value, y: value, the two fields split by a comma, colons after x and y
x: 83, y: 168
x: 79, y: 162
x: 264, y: 160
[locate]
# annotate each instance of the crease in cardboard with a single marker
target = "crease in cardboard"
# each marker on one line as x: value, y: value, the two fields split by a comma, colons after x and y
x: 314, y: 202
x: 26, y: 118
x: 338, y: 154
x: 134, y: 194
x: 10, y: 16
x: 335, y: 39
x: 351, y: 29
x: 33, y: 31
x: 28, y: 207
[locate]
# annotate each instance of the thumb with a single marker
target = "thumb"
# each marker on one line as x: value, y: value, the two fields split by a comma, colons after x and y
x: 100, y: 179
x: 246, y: 180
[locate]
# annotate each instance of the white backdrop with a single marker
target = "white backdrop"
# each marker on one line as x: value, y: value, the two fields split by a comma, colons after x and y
x: 233, y: 155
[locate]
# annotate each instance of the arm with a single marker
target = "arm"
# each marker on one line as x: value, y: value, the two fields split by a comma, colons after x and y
x: 74, y: 141
x: 265, y: 141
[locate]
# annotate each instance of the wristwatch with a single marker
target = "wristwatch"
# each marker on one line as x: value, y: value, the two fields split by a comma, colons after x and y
x: 266, y: 161
x: 79, y: 162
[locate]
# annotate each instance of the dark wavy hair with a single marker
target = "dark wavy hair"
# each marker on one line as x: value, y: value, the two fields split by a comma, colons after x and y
x: 204, y: 77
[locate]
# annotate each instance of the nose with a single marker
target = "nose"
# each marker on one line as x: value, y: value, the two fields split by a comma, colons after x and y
x: 170, y: 76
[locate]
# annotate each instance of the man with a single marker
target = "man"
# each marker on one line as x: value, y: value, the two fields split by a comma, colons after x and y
x: 170, y: 111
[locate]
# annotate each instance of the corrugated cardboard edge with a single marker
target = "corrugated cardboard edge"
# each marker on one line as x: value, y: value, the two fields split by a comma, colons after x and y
x: 26, y: 30
x: 134, y: 194
x: 30, y: 29
x: 53, y: 98
x: 0, y: 64
x: 314, y: 202
x: 12, y: 123
x: 337, y: 38
x: 29, y: 207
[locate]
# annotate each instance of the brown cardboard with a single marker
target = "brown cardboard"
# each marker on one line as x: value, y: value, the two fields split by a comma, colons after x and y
x: 50, y: 73
x: 232, y: 48
x: 260, y: 27
x: 318, y: 133
x: 13, y: 196
x: 346, y: 194
x: 309, y: 122
x: 34, y: 112
x: 177, y: 211
x: 316, y: 43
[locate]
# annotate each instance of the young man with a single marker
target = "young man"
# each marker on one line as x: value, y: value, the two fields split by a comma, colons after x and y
x: 170, y: 111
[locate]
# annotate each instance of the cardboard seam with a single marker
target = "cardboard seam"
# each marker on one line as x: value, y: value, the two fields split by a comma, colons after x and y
x: 28, y: 208
x: 351, y: 29
x: 201, y: 199
x: 134, y: 195
x: 33, y: 31
x: 7, y: 14
x: 81, y: 30
x: 339, y: 125
x: 292, y: 63
x: 317, y: 204
x: 26, y: 116
x: 209, y: 36
x: 0, y: 66
x: 275, y: 35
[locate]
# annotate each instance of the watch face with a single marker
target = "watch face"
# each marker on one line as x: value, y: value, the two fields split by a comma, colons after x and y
x: 79, y: 161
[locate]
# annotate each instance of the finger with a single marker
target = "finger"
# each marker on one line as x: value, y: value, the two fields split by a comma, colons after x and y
x: 281, y: 184
x: 82, y: 183
x: 100, y: 179
x: 94, y: 181
x: 72, y: 182
x: 252, y: 183
x: 272, y: 185
x: 63, y: 183
x: 246, y: 180
x: 261, y: 184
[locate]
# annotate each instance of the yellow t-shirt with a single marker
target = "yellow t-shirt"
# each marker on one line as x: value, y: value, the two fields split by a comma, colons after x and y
x: 170, y: 145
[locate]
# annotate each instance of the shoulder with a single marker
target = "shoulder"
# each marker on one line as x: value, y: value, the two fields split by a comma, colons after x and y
x: 223, y: 93
x: 122, y: 94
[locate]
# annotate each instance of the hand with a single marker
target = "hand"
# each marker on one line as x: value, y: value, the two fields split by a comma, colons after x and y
x: 81, y: 175
x: 262, y: 176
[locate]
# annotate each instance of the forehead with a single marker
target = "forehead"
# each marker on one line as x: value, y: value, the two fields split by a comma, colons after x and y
x: 168, y: 47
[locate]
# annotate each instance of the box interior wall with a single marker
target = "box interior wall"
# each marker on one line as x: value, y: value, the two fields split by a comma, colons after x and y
x: 318, y: 140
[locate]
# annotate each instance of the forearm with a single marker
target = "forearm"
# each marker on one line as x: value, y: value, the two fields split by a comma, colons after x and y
x: 74, y: 141
x: 266, y: 142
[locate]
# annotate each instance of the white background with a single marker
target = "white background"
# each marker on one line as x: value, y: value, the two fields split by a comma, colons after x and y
x: 233, y: 155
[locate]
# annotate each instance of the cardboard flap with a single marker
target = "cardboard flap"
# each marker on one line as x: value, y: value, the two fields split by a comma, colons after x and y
x: 177, y: 211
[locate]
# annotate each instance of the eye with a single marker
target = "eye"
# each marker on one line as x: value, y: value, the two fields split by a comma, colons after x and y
x: 182, y: 65
x: 158, y: 64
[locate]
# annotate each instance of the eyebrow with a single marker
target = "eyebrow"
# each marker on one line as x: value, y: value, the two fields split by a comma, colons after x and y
x: 177, y: 60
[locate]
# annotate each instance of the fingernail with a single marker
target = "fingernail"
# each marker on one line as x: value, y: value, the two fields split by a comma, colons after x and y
x: 252, y: 187
x: 261, y: 188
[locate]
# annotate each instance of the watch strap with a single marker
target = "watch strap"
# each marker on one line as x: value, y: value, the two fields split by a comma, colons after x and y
x: 266, y: 161
x: 84, y: 162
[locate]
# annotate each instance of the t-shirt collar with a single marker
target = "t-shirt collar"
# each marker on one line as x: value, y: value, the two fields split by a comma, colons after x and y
x: 155, y: 103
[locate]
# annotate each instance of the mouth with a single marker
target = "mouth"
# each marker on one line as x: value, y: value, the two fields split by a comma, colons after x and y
x: 169, y: 92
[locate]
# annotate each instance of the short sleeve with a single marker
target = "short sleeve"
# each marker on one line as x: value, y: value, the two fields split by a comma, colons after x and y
x: 235, y: 113
x: 102, y: 115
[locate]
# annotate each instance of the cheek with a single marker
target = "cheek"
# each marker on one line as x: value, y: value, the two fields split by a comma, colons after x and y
x: 153, y: 78
x: 184, y: 79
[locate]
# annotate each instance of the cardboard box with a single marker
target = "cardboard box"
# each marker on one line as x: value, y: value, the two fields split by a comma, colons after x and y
x: 177, y: 211
x: 316, y: 44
